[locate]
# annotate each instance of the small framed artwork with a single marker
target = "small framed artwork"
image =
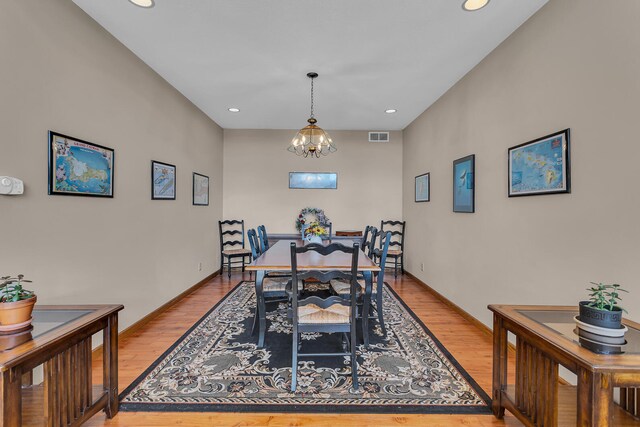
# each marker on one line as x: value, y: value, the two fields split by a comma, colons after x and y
x: 200, y: 190
x: 540, y: 166
x: 163, y: 181
x: 464, y: 184
x: 79, y: 168
x: 423, y: 187
x: 313, y: 180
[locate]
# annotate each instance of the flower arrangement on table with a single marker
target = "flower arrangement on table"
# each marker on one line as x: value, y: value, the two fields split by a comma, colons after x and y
x: 310, y: 216
x: 316, y: 229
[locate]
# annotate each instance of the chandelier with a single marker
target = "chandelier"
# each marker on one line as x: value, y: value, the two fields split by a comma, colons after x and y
x: 311, y: 140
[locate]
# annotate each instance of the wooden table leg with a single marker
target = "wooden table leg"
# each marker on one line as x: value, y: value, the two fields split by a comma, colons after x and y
x: 262, y: 323
x: 595, y: 398
x: 499, y: 365
x: 11, y: 398
x: 110, y: 364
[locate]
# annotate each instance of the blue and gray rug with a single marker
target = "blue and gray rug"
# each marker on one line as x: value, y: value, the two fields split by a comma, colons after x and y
x: 216, y: 366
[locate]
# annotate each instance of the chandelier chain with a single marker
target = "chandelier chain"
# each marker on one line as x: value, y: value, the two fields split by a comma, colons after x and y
x: 312, y: 97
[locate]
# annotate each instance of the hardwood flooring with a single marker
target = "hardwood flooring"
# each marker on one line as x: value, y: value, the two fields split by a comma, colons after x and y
x: 471, y: 346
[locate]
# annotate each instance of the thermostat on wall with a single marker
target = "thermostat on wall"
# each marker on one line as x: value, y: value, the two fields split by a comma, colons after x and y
x: 11, y: 186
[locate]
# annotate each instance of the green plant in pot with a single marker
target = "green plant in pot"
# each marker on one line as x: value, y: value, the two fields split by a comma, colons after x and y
x: 16, y: 303
x: 603, y: 308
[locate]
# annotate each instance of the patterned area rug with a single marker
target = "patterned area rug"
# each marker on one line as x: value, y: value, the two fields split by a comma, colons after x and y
x: 216, y: 366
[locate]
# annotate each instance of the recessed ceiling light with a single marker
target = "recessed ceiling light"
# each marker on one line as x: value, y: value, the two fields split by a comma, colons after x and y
x: 143, y: 3
x: 234, y: 110
x: 390, y: 111
x: 471, y: 5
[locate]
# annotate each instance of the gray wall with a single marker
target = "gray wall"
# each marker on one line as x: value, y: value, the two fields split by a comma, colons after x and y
x: 61, y: 71
x: 573, y: 64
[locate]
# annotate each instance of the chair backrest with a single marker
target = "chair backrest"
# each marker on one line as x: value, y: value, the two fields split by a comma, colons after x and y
x: 369, y: 244
x: 264, y: 239
x: 330, y: 227
x: 228, y: 230
x: 365, y: 238
x: 254, y: 244
x: 385, y: 239
x: 325, y: 276
x: 397, y: 229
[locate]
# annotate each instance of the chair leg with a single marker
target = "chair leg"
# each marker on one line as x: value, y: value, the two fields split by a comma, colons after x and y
x: 255, y: 320
x: 402, y: 263
x: 294, y: 360
x: 395, y: 268
x: 229, y: 267
x: 354, y: 364
x: 221, y: 263
x: 379, y: 310
x: 243, y: 259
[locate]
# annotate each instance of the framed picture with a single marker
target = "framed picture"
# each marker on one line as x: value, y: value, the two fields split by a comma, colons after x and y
x: 200, y: 190
x: 540, y: 166
x: 313, y: 180
x: 79, y: 168
x: 422, y: 188
x: 163, y: 181
x: 464, y: 184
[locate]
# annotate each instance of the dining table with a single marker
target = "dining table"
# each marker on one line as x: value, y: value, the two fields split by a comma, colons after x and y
x: 278, y: 258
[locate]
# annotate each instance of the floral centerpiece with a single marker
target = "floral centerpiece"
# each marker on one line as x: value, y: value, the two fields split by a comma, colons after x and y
x: 308, y: 216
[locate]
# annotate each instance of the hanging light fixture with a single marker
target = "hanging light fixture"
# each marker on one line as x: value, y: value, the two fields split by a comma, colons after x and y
x: 311, y: 140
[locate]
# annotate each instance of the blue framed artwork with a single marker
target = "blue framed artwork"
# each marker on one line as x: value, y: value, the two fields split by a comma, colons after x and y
x: 79, y: 168
x: 423, y: 188
x: 464, y: 184
x: 163, y: 181
x: 313, y: 180
x: 540, y: 166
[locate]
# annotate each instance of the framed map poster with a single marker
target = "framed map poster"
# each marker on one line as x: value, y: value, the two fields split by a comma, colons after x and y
x: 200, y: 190
x: 540, y: 166
x: 423, y: 188
x: 163, y: 181
x: 79, y: 168
x: 464, y: 184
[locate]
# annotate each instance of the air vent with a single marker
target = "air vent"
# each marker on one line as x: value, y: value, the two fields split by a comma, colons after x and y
x: 378, y: 136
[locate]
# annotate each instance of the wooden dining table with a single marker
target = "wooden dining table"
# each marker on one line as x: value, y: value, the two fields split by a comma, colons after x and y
x: 278, y: 258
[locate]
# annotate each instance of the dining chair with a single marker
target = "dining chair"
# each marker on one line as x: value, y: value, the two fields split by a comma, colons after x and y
x: 343, y: 288
x: 273, y: 288
x: 396, y: 250
x: 229, y: 243
x: 264, y: 239
x: 333, y: 314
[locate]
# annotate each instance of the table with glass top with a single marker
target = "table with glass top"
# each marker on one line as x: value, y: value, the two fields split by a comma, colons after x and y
x: 59, y: 339
x: 546, y: 337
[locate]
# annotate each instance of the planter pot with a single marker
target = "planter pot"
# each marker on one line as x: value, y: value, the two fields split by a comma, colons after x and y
x: 16, y: 315
x: 601, y: 318
x: 312, y: 238
x: 9, y: 340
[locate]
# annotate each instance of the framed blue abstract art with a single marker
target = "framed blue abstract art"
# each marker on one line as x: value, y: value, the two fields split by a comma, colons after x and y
x: 313, y: 180
x: 464, y: 184
x: 540, y: 166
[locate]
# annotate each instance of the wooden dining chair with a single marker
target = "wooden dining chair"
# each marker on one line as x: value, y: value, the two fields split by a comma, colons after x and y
x: 396, y: 249
x: 264, y: 239
x: 343, y: 288
x: 327, y: 315
x: 273, y: 288
x: 230, y: 246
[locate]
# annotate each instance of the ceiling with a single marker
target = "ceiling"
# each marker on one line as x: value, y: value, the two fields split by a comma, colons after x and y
x: 371, y: 55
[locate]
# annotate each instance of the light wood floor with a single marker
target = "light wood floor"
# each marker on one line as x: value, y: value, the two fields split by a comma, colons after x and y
x: 468, y: 344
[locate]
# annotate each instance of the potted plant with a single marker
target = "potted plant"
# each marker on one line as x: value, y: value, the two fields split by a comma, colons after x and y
x: 16, y: 303
x: 603, y: 308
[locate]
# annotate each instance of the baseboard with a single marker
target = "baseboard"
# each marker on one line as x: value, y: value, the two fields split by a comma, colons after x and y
x: 484, y: 328
x: 158, y: 311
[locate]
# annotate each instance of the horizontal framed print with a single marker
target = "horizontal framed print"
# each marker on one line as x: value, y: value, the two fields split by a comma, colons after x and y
x: 464, y: 184
x: 79, y: 168
x: 200, y: 190
x: 313, y: 180
x: 163, y: 181
x: 540, y: 166
x: 423, y: 187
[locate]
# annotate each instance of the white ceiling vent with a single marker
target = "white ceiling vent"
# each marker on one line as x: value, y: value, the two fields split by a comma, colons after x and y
x: 378, y: 136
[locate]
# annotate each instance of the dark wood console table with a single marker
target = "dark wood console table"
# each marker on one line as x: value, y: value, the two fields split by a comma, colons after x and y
x: 59, y: 340
x: 545, y: 339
